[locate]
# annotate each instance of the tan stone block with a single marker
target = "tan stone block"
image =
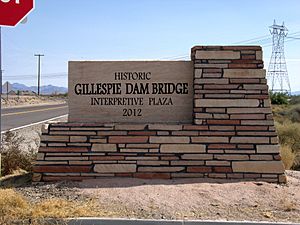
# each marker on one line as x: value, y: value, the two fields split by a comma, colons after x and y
x: 255, y: 86
x: 55, y: 138
x: 74, y: 132
x: 164, y: 127
x: 187, y: 175
x: 282, y: 178
x: 261, y: 157
x: 169, y: 139
x: 98, y: 140
x: 65, y: 158
x: 248, y: 110
x: 182, y: 148
x: 134, y: 150
x: 50, y: 163
x: 163, y: 133
x: 185, y: 133
x: 210, y: 65
x: 78, y: 139
x: 244, y: 73
x: 211, y: 81
x: 250, y: 140
x: 232, y: 157
x: 258, y: 55
x: 226, y: 103
x: 198, y: 73
x: 274, y: 140
x: 257, y: 122
x: 141, y: 158
x: 258, y: 167
x: 161, y: 169
x: 187, y: 163
x: 56, y: 144
x: 217, y: 55
x: 210, y: 139
x: 217, y: 175
x: 79, y: 144
x: 63, y: 154
x: 142, y: 145
x: 80, y: 163
x: 268, y: 148
x: 40, y: 156
x: 115, y: 168
x: 153, y: 163
x: 128, y: 139
x: 197, y: 156
x: 36, y: 177
x: 104, y: 147
x: 130, y: 127
x: 217, y: 163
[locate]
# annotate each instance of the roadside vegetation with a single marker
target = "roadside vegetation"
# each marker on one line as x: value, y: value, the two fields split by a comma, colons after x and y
x: 286, y: 111
x: 16, y: 209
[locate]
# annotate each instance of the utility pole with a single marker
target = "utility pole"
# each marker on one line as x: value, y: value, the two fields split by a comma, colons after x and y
x: 39, y: 71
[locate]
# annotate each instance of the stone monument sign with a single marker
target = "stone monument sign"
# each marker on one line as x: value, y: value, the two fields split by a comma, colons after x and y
x: 208, y: 117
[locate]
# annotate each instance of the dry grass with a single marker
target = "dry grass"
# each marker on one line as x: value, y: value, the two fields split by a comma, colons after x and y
x: 287, y: 156
x: 287, y: 124
x: 14, y: 207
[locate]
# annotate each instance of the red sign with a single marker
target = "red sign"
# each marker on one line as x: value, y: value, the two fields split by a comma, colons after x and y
x: 14, y: 11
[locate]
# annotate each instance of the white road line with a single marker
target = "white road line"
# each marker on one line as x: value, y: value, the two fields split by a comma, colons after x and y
x: 32, y: 124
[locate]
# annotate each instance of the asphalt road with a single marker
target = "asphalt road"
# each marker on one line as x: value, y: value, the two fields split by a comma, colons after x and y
x: 21, y: 116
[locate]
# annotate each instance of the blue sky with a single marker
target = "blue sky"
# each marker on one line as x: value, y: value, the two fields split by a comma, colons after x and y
x: 139, y: 29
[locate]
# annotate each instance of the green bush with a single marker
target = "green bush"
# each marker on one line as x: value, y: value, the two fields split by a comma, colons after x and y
x: 279, y: 98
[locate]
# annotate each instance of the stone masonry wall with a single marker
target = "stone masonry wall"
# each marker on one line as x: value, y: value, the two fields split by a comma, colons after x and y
x: 232, y: 137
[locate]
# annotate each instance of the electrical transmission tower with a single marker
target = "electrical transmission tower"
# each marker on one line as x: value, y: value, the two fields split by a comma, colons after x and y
x: 277, y: 76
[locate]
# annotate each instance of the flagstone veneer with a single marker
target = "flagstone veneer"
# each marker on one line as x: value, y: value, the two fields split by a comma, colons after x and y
x: 231, y: 136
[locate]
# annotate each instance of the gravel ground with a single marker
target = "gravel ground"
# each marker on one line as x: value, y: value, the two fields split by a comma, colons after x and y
x: 182, y: 198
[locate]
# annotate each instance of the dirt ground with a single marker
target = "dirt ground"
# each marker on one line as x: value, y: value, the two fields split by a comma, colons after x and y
x: 181, y: 198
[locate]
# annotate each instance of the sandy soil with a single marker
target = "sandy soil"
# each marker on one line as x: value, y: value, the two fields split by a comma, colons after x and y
x: 17, y: 101
x: 182, y: 198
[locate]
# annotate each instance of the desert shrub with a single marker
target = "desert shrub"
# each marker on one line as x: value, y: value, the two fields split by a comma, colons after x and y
x: 14, y: 155
x: 289, y: 135
x: 288, y: 156
x: 294, y: 114
x: 279, y: 98
x: 295, y: 99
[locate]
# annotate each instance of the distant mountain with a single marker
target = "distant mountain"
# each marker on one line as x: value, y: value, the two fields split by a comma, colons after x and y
x: 49, y: 89
x: 295, y: 92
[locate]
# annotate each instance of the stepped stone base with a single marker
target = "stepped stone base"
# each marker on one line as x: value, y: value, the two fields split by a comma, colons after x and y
x: 71, y: 151
x: 232, y: 135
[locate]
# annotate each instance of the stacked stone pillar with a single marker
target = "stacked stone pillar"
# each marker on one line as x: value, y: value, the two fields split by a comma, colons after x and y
x: 232, y: 135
